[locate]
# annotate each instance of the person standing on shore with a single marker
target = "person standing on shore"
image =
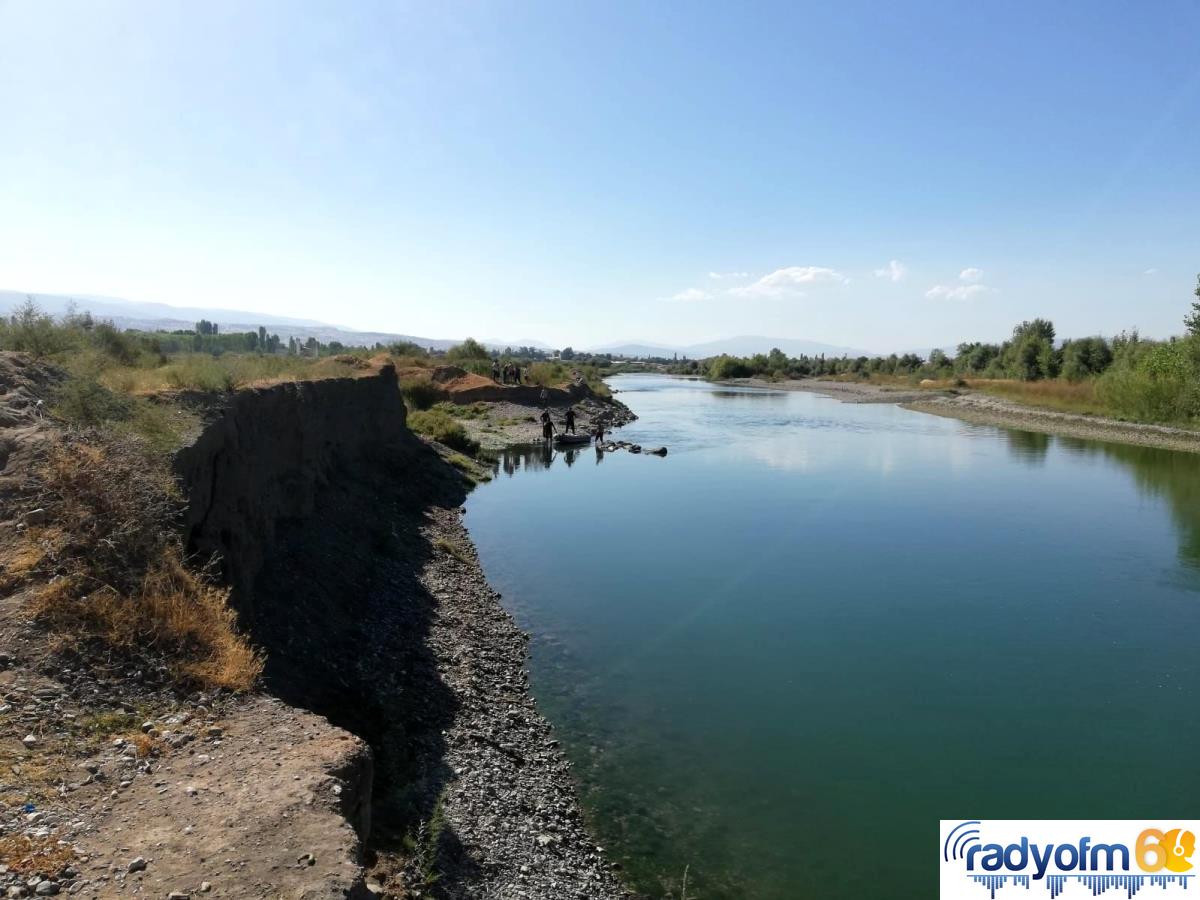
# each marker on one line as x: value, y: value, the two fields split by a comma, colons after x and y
x: 547, y: 426
x: 496, y: 370
x: 569, y: 427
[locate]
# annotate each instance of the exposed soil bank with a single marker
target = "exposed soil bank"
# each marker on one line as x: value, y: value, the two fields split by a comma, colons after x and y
x: 985, y: 409
x: 398, y: 750
x: 341, y: 533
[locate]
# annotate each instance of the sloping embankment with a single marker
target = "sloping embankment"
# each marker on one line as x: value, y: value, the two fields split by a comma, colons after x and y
x: 340, y: 534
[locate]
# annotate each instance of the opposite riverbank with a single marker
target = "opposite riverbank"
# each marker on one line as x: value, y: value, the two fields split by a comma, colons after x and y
x: 980, y: 408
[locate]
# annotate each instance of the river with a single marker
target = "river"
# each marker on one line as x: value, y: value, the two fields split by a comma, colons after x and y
x: 779, y: 655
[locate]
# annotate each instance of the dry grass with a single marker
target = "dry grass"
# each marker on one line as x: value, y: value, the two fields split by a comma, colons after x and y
x: 1058, y: 394
x: 204, y: 372
x: 453, y: 548
x: 1066, y: 396
x: 27, y: 856
x: 22, y: 558
x: 114, y: 569
x: 147, y: 747
x: 173, y: 611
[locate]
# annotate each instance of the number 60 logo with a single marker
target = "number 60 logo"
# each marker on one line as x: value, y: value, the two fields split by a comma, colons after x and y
x: 1157, y: 850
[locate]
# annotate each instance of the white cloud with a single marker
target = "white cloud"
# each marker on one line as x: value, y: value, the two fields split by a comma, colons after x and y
x: 958, y: 291
x: 717, y: 276
x: 785, y: 282
x: 971, y: 275
x: 1150, y: 272
x: 893, y: 271
x: 691, y: 295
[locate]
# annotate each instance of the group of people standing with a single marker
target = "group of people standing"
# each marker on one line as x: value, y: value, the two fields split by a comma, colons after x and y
x: 549, y: 429
x: 509, y: 373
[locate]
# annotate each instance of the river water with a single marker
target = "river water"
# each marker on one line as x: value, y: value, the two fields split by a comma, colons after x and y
x: 778, y: 656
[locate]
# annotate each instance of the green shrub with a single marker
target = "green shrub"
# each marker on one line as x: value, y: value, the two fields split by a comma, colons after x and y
x: 435, y: 423
x: 729, y: 367
x: 85, y: 402
x: 1155, y: 382
x: 476, y: 366
x: 408, y: 349
x: 419, y: 393
x: 32, y: 331
x: 468, y: 349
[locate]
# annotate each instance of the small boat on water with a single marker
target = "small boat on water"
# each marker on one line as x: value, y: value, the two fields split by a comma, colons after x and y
x: 572, y: 439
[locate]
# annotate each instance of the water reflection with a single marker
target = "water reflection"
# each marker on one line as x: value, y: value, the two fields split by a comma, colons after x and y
x: 727, y: 394
x: 1161, y: 474
x: 1030, y: 447
x: 1166, y: 474
x: 533, y: 458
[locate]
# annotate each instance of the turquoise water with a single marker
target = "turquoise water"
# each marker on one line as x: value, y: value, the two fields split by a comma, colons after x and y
x: 781, y: 654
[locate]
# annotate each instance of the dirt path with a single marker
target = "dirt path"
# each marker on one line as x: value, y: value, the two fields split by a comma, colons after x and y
x: 258, y: 807
x: 985, y: 409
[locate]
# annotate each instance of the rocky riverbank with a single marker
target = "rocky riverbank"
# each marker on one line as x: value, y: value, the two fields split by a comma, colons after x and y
x: 395, y: 749
x: 985, y: 409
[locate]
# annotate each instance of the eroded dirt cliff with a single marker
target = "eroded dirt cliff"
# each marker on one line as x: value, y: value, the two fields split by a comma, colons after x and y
x: 394, y: 750
x: 341, y: 534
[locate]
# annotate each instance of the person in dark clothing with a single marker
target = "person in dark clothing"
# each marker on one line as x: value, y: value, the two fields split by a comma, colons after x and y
x: 496, y: 370
x: 570, y: 425
x: 547, y: 425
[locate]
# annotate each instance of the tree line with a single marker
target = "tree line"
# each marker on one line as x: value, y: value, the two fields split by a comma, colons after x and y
x: 1131, y: 375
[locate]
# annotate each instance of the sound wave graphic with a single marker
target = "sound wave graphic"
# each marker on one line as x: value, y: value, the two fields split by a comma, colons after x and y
x: 1098, y: 884
x: 958, y: 838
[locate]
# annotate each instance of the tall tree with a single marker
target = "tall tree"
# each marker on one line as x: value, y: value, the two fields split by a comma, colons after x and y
x: 1193, y: 321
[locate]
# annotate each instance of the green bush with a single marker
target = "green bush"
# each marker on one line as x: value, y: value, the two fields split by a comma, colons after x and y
x: 1085, y: 357
x: 1155, y: 382
x: 419, y: 393
x: 199, y: 371
x: 83, y: 401
x: 729, y: 367
x: 468, y: 349
x: 435, y: 423
x: 476, y: 366
x: 32, y: 331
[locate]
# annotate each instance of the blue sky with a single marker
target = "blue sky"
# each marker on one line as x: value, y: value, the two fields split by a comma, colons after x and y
x: 876, y: 175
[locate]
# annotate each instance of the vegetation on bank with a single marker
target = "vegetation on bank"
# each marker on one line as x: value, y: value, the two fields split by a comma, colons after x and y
x: 537, y: 366
x: 444, y: 428
x: 103, y: 563
x: 1127, y: 376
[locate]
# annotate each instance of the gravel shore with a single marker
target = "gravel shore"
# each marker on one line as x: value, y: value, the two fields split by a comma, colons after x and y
x: 395, y: 749
x: 985, y: 409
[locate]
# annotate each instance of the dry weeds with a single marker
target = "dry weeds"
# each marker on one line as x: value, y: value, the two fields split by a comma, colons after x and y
x: 27, y: 856
x: 111, y: 568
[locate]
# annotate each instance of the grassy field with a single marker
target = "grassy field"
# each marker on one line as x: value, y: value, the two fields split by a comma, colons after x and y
x: 1057, y: 394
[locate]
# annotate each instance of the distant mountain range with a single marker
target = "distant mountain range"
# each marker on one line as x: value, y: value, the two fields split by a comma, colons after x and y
x: 161, y: 317
x: 742, y: 345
